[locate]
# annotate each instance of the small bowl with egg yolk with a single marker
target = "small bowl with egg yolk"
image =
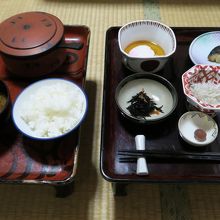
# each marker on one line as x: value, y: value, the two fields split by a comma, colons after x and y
x: 146, y: 45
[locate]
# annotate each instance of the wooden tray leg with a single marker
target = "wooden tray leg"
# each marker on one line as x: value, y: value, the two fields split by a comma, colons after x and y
x: 65, y: 190
x: 119, y: 189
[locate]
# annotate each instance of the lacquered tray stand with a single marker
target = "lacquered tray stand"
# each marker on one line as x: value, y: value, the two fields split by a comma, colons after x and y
x: 119, y: 134
x: 33, y: 162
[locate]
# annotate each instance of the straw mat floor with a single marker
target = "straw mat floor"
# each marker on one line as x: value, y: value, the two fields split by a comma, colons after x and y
x: 93, y: 197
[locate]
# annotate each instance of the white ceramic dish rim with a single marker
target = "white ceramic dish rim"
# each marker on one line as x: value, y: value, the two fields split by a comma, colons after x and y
x: 154, y: 57
x: 152, y: 77
x: 193, y: 99
x: 55, y: 137
x: 195, y: 41
x: 197, y: 143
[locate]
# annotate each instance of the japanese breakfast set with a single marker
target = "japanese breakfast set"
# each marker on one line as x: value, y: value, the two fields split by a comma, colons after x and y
x: 32, y: 47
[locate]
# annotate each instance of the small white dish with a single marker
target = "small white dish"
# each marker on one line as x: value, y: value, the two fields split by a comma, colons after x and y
x: 202, y: 45
x: 190, y: 121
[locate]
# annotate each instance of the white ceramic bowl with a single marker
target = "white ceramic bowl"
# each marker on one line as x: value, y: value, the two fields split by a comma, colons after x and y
x: 156, y: 87
x: 49, y: 109
x: 190, y: 121
x: 149, y: 30
x: 202, y: 45
x: 201, y: 74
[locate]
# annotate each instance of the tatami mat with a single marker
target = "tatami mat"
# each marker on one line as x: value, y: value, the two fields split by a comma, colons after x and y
x: 190, y: 13
x: 93, y: 198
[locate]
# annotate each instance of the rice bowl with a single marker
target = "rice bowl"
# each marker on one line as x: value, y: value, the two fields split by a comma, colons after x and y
x: 49, y: 108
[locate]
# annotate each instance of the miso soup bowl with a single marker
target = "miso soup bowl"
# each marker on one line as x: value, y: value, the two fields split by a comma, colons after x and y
x: 5, y: 107
x: 153, y: 31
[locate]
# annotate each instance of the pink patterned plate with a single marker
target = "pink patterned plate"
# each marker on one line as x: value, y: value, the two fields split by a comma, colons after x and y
x: 201, y: 85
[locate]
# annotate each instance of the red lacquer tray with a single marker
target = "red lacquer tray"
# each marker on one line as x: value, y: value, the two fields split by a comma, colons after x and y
x: 26, y: 161
x: 119, y: 134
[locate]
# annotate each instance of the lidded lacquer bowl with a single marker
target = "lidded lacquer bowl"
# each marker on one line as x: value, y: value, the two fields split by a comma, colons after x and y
x: 29, y: 43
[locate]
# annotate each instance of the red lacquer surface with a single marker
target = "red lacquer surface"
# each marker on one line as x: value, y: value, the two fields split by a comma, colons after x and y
x: 31, y: 161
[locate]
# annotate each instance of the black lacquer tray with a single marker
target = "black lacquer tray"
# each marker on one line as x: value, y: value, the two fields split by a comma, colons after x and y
x: 118, y: 133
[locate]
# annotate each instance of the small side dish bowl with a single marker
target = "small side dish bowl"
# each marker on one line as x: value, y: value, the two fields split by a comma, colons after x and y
x: 49, y: 109
x: 205, y: 49
x: 146, y: 98
x: 197, y: 128
x: 5, y: 103
x: 201, y: 85
x: 150, y: 44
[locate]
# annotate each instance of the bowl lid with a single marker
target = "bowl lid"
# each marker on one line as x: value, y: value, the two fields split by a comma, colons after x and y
x: 30, y: 33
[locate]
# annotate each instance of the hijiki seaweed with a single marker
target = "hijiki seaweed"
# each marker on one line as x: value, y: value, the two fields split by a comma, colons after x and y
x: 143, y: 106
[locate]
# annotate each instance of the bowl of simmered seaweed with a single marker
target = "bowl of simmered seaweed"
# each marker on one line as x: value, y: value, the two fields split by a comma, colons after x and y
x: 146, y: 98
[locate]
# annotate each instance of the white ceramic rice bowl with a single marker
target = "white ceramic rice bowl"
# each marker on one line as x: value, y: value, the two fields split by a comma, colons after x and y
x: 25, y: 95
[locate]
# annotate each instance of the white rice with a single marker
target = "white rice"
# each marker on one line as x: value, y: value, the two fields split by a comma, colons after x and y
x: 207, y: 92
x: 54, y: 109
